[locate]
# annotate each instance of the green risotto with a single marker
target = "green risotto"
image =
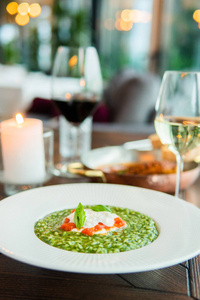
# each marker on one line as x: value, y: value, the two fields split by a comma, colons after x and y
x: 140, y: 231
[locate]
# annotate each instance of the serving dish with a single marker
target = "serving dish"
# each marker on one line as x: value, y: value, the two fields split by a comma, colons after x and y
x: 93, y: 159
x: 177, y: 222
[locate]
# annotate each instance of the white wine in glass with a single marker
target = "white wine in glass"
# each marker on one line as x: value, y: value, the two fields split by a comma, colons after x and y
x: 177, y: 120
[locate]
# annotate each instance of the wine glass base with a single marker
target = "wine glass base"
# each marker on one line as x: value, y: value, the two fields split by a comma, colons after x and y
x: 61, y: 170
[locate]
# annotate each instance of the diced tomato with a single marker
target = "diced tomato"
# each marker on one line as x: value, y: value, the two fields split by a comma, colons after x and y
x: 99, y: 227
x: 66, y: 220
x: 73, y: 210
x: 88, y: 231
x: 68, y: 226
x: 119, y: 222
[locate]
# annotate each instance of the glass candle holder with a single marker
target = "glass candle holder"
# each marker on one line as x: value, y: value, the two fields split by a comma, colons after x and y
x: 20, y: 172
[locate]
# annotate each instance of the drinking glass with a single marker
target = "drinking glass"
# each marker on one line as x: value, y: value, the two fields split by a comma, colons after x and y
x: 177, y: 120
x: 76, y: 91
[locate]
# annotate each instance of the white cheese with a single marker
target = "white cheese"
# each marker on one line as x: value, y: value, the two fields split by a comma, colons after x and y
x: 93, y: 218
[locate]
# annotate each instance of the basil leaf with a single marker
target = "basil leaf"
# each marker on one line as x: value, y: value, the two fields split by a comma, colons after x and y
x: 79, y: 216
x: 101, y: 208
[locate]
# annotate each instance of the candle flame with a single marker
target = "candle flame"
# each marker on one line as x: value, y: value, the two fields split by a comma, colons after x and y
x: 19, y: 119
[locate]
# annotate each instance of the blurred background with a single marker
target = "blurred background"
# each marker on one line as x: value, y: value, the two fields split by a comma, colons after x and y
x: 137, y: 40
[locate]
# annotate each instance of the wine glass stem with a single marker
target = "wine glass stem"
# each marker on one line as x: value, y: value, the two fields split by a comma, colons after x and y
x: 179, y: 169
x: 74, y: 133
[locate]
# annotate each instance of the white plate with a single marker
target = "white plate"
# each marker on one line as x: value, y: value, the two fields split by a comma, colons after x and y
x: 177, y: 220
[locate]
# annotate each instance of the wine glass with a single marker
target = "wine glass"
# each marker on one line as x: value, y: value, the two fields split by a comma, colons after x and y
x: 76, y: 92
x: 177, y: 120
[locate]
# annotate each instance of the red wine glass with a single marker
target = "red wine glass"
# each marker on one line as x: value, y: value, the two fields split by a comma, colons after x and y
x: 76, y: 92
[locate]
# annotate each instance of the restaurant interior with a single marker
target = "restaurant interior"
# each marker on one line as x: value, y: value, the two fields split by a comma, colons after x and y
x: 136, y: 42
x: 99, y: 111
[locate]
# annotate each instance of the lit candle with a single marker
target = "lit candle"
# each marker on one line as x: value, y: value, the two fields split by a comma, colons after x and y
x: 23, y: 150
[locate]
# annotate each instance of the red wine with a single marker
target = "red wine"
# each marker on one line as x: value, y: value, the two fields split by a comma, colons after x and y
x: 75, y: 110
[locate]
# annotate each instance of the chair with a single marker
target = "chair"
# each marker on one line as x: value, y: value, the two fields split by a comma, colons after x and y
x: 130, y: 97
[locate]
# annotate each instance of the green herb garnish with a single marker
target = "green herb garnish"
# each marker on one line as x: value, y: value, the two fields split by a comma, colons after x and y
x: 101, y: 208
x: 79, y: 216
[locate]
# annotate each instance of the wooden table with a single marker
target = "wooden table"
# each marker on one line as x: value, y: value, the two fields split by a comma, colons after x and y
x: 21, y: 281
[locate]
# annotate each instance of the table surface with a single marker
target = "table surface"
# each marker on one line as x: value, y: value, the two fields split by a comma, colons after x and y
x: 22, y: 281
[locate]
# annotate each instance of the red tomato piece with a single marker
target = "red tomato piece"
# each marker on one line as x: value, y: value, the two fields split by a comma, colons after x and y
x: 68, y: 226
x: 119, y: 222
x: 66, y: 220
x: 99, y: 227
x: 88, y: 231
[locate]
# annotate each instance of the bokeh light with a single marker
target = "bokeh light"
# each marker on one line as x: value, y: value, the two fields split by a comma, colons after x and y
x: 22, y: 19
x: 196, y: 15
x: 117, y: 24
x: 82, y: 82
x: 127, y: 15
x: 35, y: 10
x: 145, y: 17
x: 183, y: 74
x: 126, y: 26
x: 12, y: 8
x: 73, y: 61
x: 137, y: 16
x: 68, y: 96
x: 23, y: 9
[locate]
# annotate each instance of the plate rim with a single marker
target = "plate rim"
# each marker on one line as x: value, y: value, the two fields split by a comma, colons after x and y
x: 119, y: 269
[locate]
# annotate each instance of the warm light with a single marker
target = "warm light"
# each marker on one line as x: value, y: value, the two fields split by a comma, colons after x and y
x: 73, y: 61
x: 145, y: 17
x: 22, y: 20
x: 12, y: 8
x: 137, y: 16
x: 179, y: 136
x: 196, y: 15
x: 35, y: 10
x: 82, y: 82
x: 126, y: 26
x: 126, y: 18
x: 23, y: 9
x: 189, y: 123
x: 127, y: 15
x: 117, y: 24
x: 68, y: 96
x: 183, y: 75
x: 19, y: 119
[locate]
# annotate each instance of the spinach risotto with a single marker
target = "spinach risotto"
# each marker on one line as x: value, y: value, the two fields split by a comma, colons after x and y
x: 131, y: 230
